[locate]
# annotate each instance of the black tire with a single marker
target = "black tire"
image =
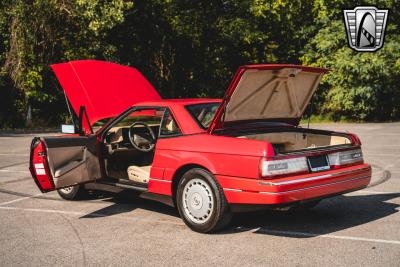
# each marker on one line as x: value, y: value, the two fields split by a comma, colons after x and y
x: 305, y: 206
x: 218, y: 213
x: 74, y: 192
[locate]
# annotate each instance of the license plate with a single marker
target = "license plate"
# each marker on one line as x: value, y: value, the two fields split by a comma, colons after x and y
x: 318, y: 163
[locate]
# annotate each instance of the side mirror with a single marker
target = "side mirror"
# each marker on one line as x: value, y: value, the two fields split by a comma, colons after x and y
x: 68, y: 128
x: 84, y: 124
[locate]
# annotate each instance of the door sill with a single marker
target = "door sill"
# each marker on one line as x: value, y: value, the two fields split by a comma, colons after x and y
x: 124, y: 183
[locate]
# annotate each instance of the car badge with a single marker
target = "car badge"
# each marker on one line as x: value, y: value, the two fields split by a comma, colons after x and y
x: 365, y: 27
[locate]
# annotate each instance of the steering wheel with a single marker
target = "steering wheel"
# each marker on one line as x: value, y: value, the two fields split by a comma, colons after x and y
x: 143, y: 138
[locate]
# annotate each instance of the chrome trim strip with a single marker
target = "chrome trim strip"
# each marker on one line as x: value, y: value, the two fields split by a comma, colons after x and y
x: 232, y: 189
x: 324, y: 176
x: 312, y: 187
x: 159, y: 180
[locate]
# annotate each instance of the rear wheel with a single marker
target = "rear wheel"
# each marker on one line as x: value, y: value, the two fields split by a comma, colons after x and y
x: 74, y: 192
x: 201, y: 202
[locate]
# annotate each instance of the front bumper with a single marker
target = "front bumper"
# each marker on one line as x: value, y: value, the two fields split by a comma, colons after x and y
x: 297, y: 188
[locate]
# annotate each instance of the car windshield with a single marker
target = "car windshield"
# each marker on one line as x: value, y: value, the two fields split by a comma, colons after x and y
x: 203, y: 113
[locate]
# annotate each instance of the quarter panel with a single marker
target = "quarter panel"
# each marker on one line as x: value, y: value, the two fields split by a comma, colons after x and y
x: 224, y: 164
x: 220, y: 155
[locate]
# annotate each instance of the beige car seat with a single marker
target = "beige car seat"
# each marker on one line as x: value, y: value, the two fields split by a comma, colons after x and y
x: 139, y: 174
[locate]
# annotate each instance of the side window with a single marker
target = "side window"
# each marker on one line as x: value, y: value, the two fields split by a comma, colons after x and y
x: 119, y: 132
x: 151, y: 117
x: 168, y: 125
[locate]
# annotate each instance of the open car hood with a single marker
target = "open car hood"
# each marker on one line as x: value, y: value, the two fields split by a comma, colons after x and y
x: 105, y: 89
x: 276, y: 92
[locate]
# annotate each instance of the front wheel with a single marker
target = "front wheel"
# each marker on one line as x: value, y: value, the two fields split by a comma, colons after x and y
x: 201, y: 202
x: 74, y: 192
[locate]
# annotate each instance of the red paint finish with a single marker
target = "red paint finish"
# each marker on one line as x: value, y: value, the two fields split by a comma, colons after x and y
x: 160, y: 187
x: 235, y: 162
x: 107, y: 89
x: 39, y: 167
x: 325, y: 190
x: 332, y: 176
x: 104, y: 88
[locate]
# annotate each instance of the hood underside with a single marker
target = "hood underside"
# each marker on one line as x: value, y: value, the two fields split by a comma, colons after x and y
x: 270, y: 93
x: 105, y: 89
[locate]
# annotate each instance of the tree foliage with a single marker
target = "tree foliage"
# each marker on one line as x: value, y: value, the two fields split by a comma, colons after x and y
x: 192, y: 49
x: 360, y: 86
x: 37, y: 33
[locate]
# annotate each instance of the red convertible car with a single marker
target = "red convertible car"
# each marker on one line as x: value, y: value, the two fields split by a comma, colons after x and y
x: 207, y: 157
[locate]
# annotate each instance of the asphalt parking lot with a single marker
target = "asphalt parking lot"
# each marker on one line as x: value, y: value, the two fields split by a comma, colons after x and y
x: 357, y: 229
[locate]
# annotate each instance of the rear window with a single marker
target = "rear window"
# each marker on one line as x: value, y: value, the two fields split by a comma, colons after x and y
x: 203, y: 114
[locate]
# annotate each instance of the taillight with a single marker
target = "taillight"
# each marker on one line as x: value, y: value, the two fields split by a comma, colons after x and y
x: 271, y: 168
x: 345, y: 158
x: 39, y: 166
x: 354, y: 139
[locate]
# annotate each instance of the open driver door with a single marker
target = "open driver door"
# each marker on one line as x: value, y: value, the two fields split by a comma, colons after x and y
x: 105, y: 89
x: 62, y: 161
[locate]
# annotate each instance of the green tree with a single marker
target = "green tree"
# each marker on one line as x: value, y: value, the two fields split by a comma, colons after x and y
x: 360, y: 86
x: 192, y: 49
x: 41, y: 32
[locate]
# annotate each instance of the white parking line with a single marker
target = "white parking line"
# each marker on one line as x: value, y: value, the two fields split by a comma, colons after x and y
x: 53, y: 211
x: 15, y: 171
x: 13, y: 154
x: 367, y: 155
x: 301, y: 234
x: 260, y: 230
x: 373, y: 192
x: 94, y: 214
x: 19, y: 199
x: 380, y: 134
x: 380, y: 146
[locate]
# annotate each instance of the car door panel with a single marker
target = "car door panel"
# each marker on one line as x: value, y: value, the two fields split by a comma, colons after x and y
x: 68, y: 160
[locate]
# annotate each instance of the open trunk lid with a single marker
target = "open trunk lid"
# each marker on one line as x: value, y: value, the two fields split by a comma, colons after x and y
x: 276, y: 92
x: 105, y: 89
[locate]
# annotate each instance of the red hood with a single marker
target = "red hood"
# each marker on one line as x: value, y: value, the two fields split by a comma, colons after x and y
x: 276, y: 92
x: 104, y: 88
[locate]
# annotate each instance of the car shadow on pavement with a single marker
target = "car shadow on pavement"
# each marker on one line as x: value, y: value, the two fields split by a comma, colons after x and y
x: 126, y: 201
x: 330, y: 216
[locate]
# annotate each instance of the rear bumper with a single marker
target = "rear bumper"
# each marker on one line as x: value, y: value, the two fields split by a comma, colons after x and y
x: 297, y: 188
